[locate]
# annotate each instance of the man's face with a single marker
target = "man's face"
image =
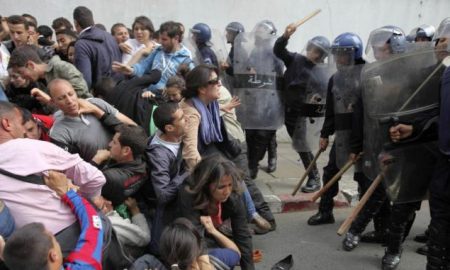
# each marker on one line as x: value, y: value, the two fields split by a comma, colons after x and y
x: 34, y: 35
x: 441, y: 48
x: 115, y: 148
x: 32, y: 130
x: 382, y: 52
x: 65, y: 98
x: 314, y: 54
x: 18, y: 34
x: 178, y: 123
x: 71, y: 54
x: 230, y: 36
x: 168, y: 43
x: 121, y: 34
x: 28, y: 72
x: 63, y: 42
x: 17, y: 80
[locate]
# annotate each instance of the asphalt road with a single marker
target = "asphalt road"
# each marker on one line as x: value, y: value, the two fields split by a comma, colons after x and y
x: 319, y: 247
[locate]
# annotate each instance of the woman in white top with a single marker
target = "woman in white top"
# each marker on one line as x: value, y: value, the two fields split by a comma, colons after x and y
x: 142, y: 44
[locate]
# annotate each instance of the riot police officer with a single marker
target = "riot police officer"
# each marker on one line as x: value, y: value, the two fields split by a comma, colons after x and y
x: 304, y: 91
x: 343, y: 92
x: 202, y: 36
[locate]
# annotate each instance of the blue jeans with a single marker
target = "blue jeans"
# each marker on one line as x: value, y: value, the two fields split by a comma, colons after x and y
x: 7, y: 224
x: 251, y: 210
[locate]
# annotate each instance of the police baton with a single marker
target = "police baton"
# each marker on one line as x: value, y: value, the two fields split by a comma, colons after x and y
x: 307, y: 18
x: 335, y: 178
x: 349, y: 220
x: 308, y: 170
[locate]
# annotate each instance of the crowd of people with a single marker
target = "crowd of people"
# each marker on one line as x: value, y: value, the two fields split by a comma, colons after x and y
x: 137, y: 148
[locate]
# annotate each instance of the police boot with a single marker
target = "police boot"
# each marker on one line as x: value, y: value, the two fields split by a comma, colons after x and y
x: 325, y: 214
x: 393, y: 252
x: 313, y: 183
x: 438, y: 248
x: 380, y: 222
x: 423, y: 250
x: 351, y: 241
x: 422, y: 238
x: 272, y: 155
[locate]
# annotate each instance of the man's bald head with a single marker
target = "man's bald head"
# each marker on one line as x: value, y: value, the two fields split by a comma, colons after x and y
x: 64, y: 96
x: 11, y: 126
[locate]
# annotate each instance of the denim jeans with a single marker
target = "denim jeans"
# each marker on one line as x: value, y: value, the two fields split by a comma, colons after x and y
x: 7, y: 224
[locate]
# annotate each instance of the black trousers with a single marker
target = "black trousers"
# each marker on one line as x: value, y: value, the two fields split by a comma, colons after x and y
x: 326, y: 201
x: 257, y: 143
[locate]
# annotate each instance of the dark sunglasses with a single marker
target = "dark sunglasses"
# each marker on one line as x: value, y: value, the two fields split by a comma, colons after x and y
x: 214, y: 81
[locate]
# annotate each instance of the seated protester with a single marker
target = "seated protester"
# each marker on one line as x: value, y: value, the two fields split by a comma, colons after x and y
x: 64, y: 38
x: 18, y: 92
x: 120, y: 33
x: 166, y: 168
x: 126, y: 96
x: 37, y: 126
x: 81, y: 126
x: 124, y: 164
x: 132, y: 234
x: 181, y: 248
x: 205, y: 133
x: 174, y: 87
x: 22, y: 164
x: 167, y: 57
x: 33, y: 246
x: 134, y: 49
x: 214, y: 190
x: 26, y: 61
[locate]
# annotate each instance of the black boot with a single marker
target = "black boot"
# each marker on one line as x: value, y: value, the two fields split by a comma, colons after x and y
x: 272, y: 155
x: 321, y: 218
x: 313, y: 183
x: 253, y: 172
x: 390, y: 260
x: 438, y: 248
x: 422, y: 238
x: 423, y: 250
x: 351, y: 241
x: 380, y: 222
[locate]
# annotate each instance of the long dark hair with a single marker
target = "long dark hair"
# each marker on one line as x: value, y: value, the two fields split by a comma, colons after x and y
x: 198, y: 77
x: 180, y: 244
x: 210, y: 170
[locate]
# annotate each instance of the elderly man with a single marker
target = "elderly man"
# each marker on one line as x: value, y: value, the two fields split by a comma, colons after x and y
x: 82, y: 126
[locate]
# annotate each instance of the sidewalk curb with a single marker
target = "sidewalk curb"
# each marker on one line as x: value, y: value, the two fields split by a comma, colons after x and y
x: 301, y: 202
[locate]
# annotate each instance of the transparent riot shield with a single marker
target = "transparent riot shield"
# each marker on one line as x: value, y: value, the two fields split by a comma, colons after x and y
x: 346, y: 92
x: 312, y: 108
x: 257, y: 74
x: 398, y: 90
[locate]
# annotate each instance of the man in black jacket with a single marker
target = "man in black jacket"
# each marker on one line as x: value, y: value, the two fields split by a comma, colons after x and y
x: 126, y: 169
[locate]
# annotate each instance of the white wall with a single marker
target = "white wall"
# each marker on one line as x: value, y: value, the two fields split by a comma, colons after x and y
x: 337, y: 16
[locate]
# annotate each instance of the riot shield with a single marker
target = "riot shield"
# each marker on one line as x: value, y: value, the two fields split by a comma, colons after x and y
x: 346, y: 92
x: 257, y: 74
x: 312, y: 108
x: 395, y: 90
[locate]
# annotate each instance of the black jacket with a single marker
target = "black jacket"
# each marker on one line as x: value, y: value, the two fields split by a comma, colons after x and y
x: 123, y: 179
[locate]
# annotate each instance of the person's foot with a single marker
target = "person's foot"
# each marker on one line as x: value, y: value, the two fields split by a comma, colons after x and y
x: 390, y: 261
x: 261, y: 222
x: 423, y: 250
x: 373, y: 237
x: 271, y: 165
x: 421, y: 238
x: 312, y: 185
x: 253, y: 172
x: 321, y: 218
x: 351, y: 241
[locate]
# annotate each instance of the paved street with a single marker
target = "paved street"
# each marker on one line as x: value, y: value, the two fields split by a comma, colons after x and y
x: 320, y: 247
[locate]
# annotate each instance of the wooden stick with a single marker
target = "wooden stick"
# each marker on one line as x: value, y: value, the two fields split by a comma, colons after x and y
x: 307, y: 18
x: 349, y: 220
x: 334, y: 179
x: 308, y: 170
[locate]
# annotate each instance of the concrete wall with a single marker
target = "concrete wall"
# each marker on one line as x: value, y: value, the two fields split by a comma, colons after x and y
x: 337, y: 16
